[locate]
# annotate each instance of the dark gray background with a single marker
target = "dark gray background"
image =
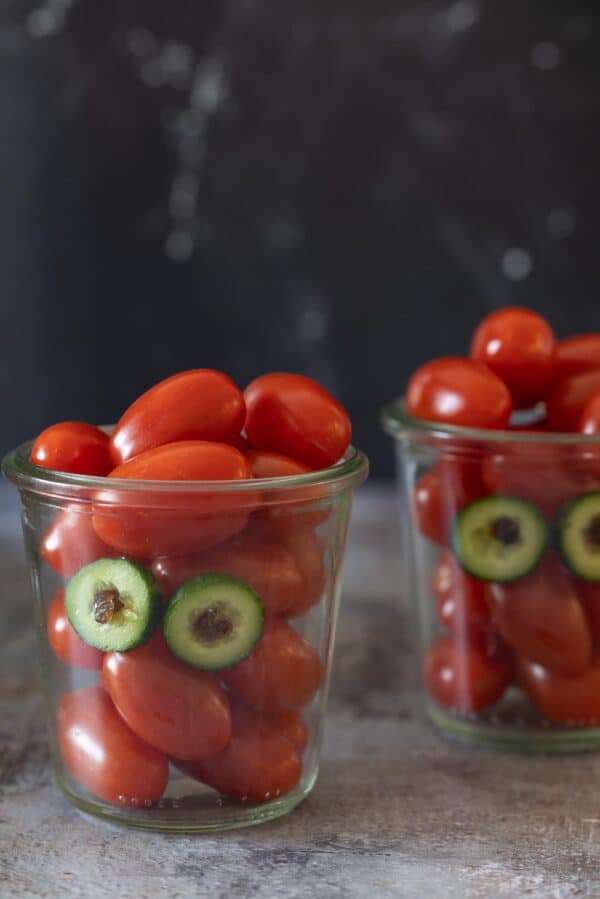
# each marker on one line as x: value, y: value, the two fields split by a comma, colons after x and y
x: 338, y: 188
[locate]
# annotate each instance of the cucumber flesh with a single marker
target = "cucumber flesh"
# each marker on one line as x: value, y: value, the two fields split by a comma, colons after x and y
x: 213, y: 621
x: 499, y: 538
x: 113, y: 604
x: 579, y: 536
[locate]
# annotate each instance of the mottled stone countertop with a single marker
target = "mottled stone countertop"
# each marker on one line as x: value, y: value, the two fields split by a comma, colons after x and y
x: 397, y: 811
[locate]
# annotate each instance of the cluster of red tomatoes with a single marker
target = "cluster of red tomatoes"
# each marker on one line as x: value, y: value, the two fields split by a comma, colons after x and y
x: 239, y: 730
x: 541, y: 630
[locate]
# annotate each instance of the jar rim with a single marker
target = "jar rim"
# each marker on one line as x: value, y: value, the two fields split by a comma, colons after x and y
x: 399, y: 424
x: 351, y: 471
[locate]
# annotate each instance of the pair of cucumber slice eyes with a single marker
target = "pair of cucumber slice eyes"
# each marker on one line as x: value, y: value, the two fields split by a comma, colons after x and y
x: 502, y: 538
x: 213, y: 621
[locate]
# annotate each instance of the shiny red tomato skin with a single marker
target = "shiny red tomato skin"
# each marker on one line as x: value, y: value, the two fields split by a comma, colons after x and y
x: 265, y: 464
x: 463, y: 676
x: 288, y: 722
x: 439, y: 495
x: 519, y: 346
x: 541, y: 618
x: 307, y: 550
x: 187, y: 460
x: 174, y: 708
x: 457, y: 391
x: 429, y: 508
x: 291, y: 725
x: 175, y: 523
x: 562, y: 698
x: 200, y: 404
x: 73, y: 446
x: 589, y: 455
x: 577, y: 355
x: 64, y: 640
x: 286, y: 509
x: 293, y: 415
x: 461, y: 602
x: 259, y: 764
x: 568, y: 398
x: 283, y: 671
x: 103, y: 755
x: 71, y: 541
x: 589, y: 594
x: 589, y: 422
x: 544, y: 474
x: 264, y: 563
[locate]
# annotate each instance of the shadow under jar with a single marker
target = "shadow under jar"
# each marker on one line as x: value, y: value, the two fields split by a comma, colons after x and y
x: 186, y: 635
x: 502, y: 531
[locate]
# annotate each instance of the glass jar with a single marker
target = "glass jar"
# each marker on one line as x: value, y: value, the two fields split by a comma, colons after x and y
x: 502, y: 545
x: 140, y: 731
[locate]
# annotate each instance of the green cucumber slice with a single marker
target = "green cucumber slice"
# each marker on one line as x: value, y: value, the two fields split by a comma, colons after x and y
x: 578, y: 531
x: 213, y: 621
x: 499, y: 538
x: 113, y: 604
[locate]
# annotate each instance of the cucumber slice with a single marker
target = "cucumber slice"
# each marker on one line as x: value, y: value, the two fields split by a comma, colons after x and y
x: 213, y: 621
x: 113, y: 604
x: 579, y: 536
x: 499, y: 538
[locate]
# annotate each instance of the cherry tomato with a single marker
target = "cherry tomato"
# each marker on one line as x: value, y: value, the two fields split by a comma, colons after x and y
x: 283, y: 671
x: 544, y: 474
x: 286, y: 508
x: 173, y: 707
x: 146, y: 525
x: 64, y: 640
x: 440, y: 494
x: 261, y: 561
x: 295, y: 416
x: 101, y: 753
x: 274, y: 465
x: 461, y: 603
x: 589, y: 423
x: 520, y: 347
x: 589, y: 594
x: 291, y: 724
x: 568, y: 398
x: 306, y: 549
x: 541, y: 618
x: 588, y: 456
x: 288, y: 722
x: 71, y: 541
x: 565, y: 699
x: 458, y: 391
x: 463, y: 676
x: 73, y: 446
x: 576, y: 355
x: 200, y: 404
x: 258, y: 765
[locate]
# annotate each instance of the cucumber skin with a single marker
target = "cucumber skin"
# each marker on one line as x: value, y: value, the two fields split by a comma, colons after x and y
x: 455, y: 541
x: 213, y: 577
x: 559, y: 529
x: 154, y: 616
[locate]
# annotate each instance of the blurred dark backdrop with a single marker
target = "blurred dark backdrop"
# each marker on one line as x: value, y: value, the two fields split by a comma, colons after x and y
x: 338, y: 187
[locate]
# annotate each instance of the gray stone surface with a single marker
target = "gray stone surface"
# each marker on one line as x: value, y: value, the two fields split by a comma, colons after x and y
x: 397, y: 812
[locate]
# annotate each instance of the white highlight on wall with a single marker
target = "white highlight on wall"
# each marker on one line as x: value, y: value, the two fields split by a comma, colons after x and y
x: 49, y: 18
x: 545, y: 56
x: 517, y: 264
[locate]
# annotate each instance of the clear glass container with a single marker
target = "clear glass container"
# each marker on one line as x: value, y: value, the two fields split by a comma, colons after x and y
x: 140, y: 736
x: 502, y: 546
